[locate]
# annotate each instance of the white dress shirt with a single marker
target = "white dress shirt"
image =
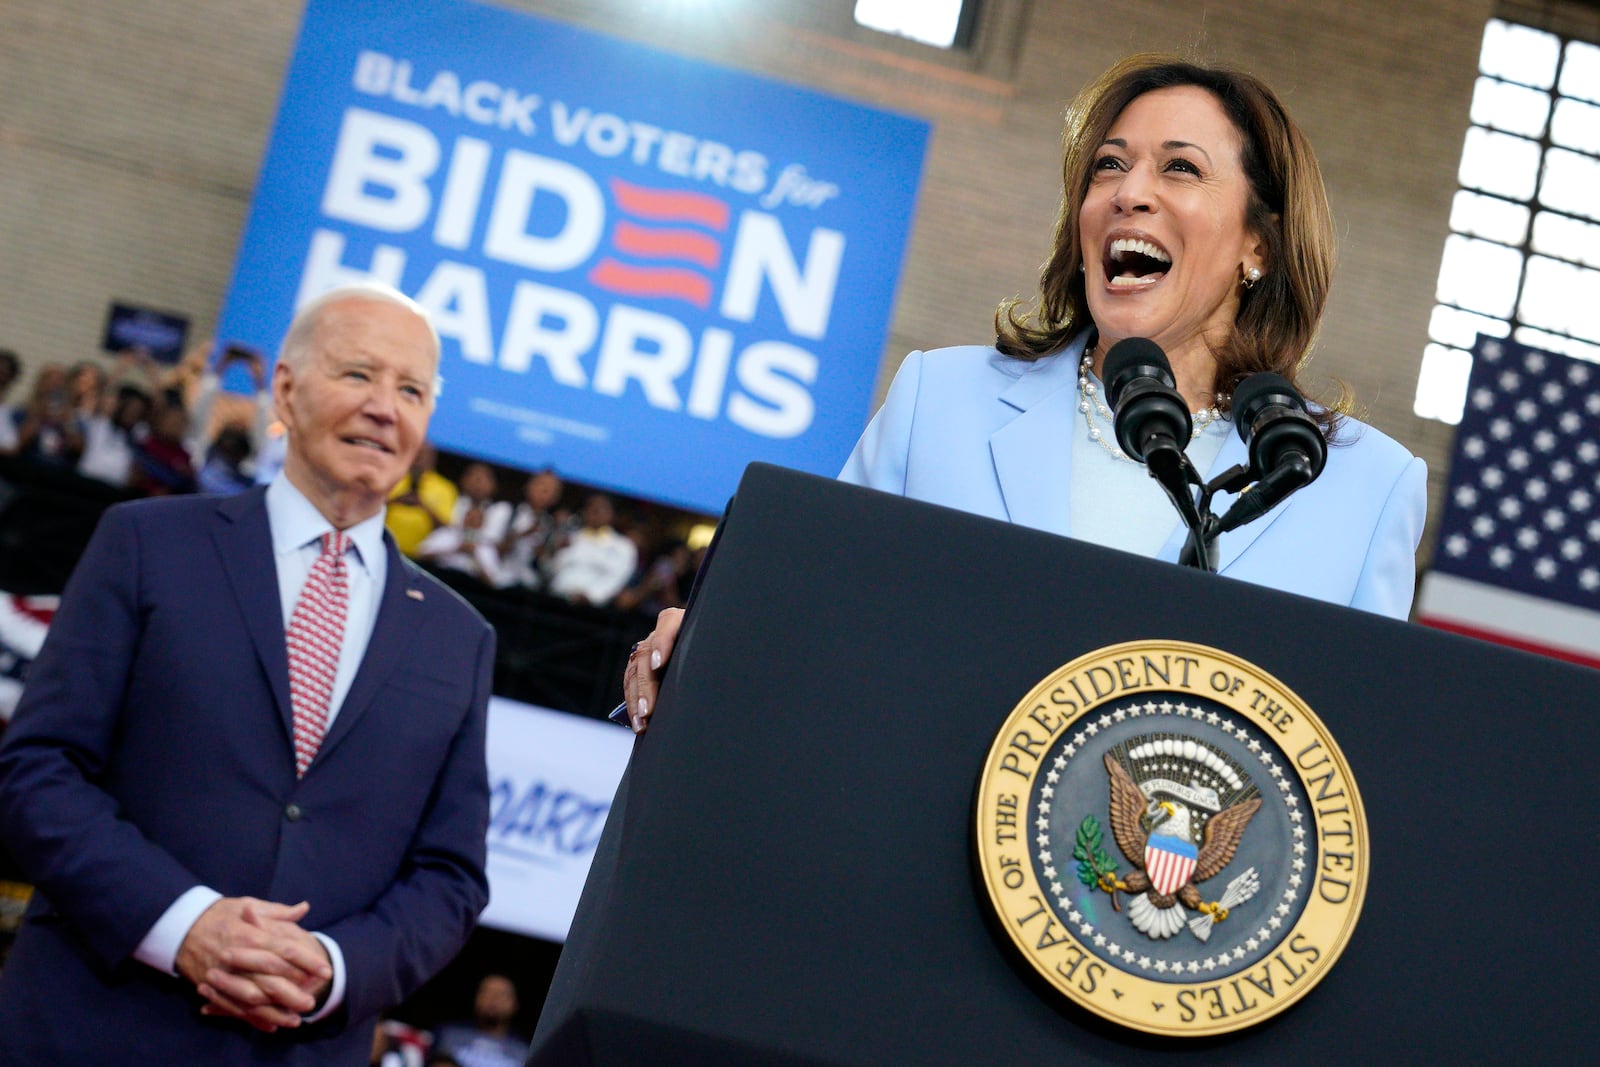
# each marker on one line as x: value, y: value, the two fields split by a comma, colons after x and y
x: 107, y: 451
x: 595, y: 564
x: 474, y: 552
x: 297, y: 528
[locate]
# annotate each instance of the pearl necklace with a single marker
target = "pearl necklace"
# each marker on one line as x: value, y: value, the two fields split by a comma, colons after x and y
x: 1090, y: 404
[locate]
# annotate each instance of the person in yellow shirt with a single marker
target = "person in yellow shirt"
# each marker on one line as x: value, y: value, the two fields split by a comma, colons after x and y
x: 422, y: 501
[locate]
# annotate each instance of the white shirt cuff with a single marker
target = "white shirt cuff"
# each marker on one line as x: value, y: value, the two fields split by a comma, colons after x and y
x: 160, y: 946
x: 336, y: 988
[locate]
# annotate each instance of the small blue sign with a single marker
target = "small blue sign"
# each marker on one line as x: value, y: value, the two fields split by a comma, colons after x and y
x: 647, y: 271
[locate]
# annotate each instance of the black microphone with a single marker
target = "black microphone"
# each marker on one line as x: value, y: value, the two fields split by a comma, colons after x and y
x: 1271, y: 418
x: 1152, y: 421
x: 1287, y: 449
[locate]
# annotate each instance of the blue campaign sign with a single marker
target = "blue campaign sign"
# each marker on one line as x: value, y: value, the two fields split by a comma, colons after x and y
x: 647, y: 271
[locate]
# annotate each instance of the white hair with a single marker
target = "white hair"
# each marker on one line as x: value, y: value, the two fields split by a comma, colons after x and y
x: 296, y: 345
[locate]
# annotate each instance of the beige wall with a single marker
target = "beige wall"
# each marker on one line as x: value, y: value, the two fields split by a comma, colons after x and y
x: 130, y: 135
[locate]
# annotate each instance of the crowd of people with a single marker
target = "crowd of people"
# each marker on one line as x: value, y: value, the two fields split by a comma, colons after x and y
x: 143, y: 428
x: 585, y: 555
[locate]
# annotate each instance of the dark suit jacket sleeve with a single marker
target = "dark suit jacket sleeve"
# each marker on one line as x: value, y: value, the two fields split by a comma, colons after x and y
x: 91, y: 865
x: 418, y: 924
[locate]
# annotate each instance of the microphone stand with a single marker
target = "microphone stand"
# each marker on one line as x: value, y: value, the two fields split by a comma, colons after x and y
x: 1199, y: 550
x: 1294, y: 471
x: 1172, y: 468
x: 1151, y: 418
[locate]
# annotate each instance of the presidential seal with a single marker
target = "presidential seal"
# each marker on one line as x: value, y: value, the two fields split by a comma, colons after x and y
x: 1171, y: 838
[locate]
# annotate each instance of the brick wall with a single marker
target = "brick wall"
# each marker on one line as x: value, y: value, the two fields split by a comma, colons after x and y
x: 131, y: 133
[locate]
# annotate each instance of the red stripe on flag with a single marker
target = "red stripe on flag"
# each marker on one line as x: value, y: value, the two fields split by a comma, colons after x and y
x: 670, y: 282
x: 661, y: 206
x: 648, y: 242
x: 40, y: 609
x: 1158, y: 871
x: 1168, y: 871
x: 1508, y: 641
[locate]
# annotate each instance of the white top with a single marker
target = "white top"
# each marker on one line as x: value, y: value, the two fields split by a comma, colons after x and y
x: 1115, y: 502
x: 595, y: 564
x: 107, y: 452
x: 474, y: 552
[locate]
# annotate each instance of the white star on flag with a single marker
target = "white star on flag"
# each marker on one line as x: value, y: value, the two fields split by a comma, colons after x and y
x: 1528, y: 453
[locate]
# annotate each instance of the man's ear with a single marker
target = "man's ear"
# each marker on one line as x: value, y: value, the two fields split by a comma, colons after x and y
x: 282, y: 387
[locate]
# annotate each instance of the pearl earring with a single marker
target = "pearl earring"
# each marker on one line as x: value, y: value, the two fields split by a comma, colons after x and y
x: 1251, y: 276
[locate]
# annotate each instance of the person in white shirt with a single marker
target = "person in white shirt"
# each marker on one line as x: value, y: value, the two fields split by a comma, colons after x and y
x: 470, y: 542
x: 111, y: 440
x: 535, y: 531
x: 597, y: 562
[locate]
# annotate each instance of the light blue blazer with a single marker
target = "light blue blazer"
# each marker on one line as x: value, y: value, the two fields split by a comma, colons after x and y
x: 974, y: 429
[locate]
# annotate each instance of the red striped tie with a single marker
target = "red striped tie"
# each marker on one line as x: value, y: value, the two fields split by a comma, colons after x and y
x: 316, y: 630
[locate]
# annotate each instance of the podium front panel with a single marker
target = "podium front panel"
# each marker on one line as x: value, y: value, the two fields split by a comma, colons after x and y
x: 788, y: 874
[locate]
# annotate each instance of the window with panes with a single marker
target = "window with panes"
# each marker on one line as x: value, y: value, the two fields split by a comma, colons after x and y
x: 1523, y: 256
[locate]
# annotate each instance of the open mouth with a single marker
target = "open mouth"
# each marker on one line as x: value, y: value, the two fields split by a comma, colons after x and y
x: 1135, y: 261
x: 369, y: 443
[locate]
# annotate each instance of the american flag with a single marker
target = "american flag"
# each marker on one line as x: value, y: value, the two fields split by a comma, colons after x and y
x: 1518, y: 559
x: 24, y: 620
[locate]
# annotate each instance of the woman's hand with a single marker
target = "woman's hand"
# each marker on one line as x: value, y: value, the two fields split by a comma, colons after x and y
x: 642, y: 678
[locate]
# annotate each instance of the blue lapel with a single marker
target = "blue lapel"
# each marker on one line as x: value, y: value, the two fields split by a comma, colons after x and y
x: 244, y: 543
x: 1033, y: 452
x: 400, y: 617
x: 1231, y: 545
x: 1032, y: 456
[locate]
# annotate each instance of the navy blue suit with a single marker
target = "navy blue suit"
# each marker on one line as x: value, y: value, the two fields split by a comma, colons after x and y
x: 152, y: 753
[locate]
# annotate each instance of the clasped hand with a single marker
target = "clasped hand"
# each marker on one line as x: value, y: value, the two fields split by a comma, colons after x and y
x: 253, y: 961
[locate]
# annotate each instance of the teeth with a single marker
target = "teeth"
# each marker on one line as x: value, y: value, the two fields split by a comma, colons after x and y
x: 1122, y: 246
